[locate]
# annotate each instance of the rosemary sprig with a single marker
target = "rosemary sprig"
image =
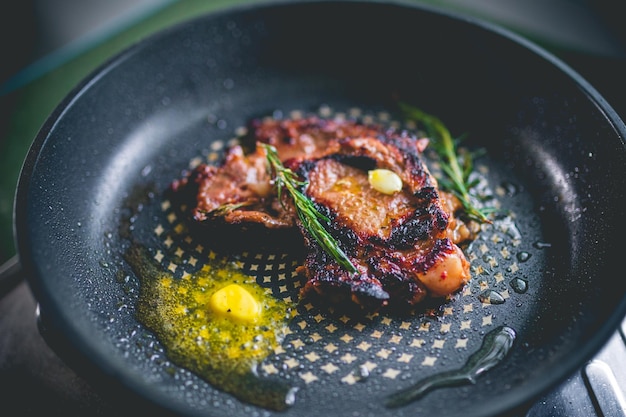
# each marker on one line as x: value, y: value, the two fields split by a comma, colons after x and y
x: 224, y: 209
x: 309, y: 216
x: 456, y: 168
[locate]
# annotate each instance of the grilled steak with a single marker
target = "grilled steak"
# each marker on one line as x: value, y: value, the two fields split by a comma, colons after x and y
x: 399, y: 242
x: 402, y: 244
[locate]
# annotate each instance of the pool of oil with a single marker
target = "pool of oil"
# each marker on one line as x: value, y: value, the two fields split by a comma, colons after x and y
x: 225, y: 352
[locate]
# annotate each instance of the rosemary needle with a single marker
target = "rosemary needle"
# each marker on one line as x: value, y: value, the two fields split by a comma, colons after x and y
x: 456, y: 171
x: 309, y: 216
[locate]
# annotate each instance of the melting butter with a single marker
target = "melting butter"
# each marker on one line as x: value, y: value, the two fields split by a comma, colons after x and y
x: 190, y: 317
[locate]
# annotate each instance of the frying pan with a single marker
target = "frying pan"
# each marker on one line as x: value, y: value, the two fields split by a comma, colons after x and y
x: 95, y: 180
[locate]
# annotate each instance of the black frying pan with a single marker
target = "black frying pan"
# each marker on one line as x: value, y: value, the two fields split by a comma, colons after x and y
x: 96, y: 177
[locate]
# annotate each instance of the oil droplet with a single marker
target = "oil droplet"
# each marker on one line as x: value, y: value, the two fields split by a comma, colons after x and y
x: 491, y: 297
x: 542, y: 245
x: 519, y: 285
x: 523, y: 256
x: 510, y: 189
x: 510, y: 228
x: 495, y: 347
x: 146, y: 170
x: 361, y: 373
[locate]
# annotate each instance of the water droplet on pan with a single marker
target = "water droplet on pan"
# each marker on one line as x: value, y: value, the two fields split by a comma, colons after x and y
x: 542, y: 245
x: 510, y: 189
x: 491, y: 297
x: 519, y: 285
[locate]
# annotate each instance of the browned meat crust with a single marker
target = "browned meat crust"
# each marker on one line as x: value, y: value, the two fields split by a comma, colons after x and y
x: 237, y: 192
x: 401, y: 243
x: 396, y: 241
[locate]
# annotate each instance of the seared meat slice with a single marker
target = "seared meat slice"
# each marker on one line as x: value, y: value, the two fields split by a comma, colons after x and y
x: 239, y: 190
x: 308, y: 137
x: 397, y: 242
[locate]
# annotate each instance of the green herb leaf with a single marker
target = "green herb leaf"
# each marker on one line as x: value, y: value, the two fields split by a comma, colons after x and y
x: 224, y: 209
x: 309, y: 216
x: 457, y: 169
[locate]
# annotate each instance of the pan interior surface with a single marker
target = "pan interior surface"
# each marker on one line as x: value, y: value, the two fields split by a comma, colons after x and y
x: 96, y: 181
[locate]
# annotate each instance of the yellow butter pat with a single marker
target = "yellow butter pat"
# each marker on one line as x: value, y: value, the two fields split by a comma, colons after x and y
x: 235, y: 303
x: 384, y: 180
